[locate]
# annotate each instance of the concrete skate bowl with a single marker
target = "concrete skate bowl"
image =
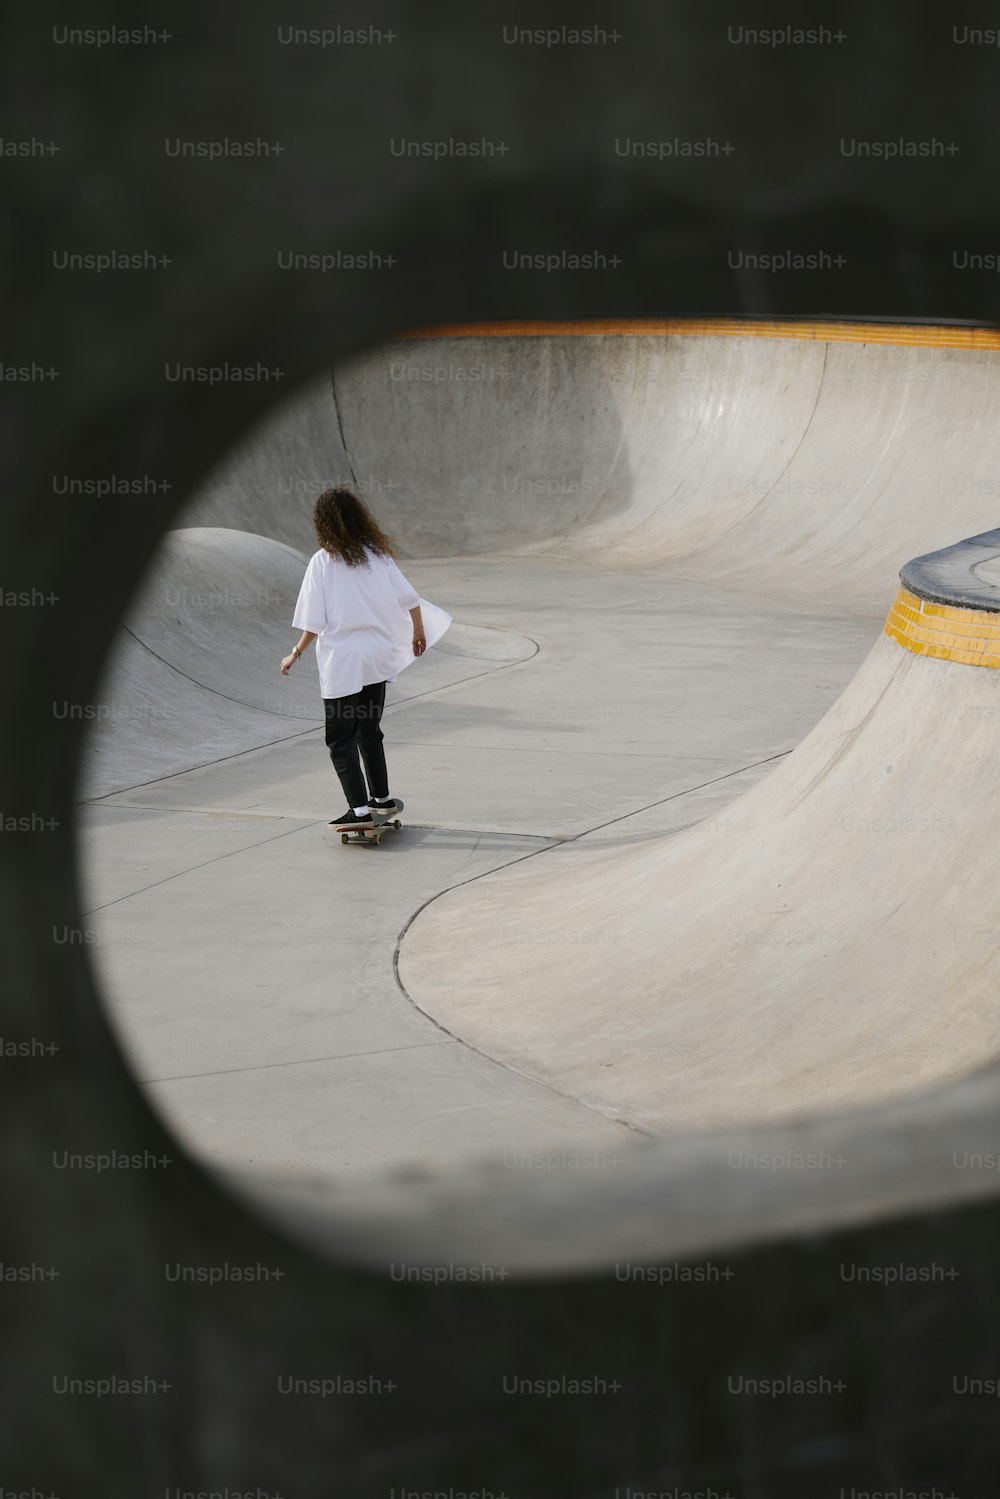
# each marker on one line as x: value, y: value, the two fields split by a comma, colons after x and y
x: 811, y: 1007
x: 180, y: 689
x: 812, y: 973
x: 808, y: 459
x: 194, y: 680
x: 803, y: 977
x: 838, y: 945
x: 462, y: 446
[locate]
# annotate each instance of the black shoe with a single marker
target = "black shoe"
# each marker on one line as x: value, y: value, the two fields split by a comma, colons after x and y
x: 351, y: 819
x: 387, y: 810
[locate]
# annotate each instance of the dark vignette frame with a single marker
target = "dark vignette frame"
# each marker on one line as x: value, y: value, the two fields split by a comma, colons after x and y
x: 108, y: 1307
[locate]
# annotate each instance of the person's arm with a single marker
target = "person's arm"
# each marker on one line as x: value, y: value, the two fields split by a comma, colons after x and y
x: 305, y: 640
x: 405, y: 591
x: 419, y: 638
x: 310, y: 609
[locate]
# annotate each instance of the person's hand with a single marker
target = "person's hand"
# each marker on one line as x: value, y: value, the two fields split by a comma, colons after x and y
x: 288, y: 663
x: 419, y: 643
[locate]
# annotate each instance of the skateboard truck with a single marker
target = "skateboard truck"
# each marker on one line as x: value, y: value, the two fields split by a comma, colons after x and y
x: 371, y: 834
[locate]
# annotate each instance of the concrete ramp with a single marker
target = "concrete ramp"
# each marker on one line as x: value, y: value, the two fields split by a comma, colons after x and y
x: 195, y: 678
x: 270, y: 481
x: 807, y: 461
x: 196, y: 675
x: 703, y: 534
x: 833, y: 938
x: 803, y: 469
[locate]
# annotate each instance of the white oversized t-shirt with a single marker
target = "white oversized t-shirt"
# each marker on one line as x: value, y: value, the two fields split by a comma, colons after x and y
x: 361, y: 618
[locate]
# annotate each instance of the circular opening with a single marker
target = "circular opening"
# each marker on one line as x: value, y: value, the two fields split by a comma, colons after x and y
x: 670, y: 792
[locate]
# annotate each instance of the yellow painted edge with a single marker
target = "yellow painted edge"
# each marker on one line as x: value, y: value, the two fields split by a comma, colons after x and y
x: 944, y: 631
x: 821, y: 332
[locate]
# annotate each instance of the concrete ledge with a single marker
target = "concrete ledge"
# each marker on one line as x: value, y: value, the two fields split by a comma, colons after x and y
x: 949, y: 604
x: 952, y: 575
x: 699, y: 1193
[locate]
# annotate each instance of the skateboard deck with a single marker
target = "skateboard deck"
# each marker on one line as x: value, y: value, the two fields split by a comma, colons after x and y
x: 370, y: 833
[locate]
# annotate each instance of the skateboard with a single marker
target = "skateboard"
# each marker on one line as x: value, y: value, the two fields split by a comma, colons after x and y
x: 372, y: 834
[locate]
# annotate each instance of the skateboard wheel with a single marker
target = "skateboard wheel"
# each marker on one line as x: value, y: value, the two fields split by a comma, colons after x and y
x: 377, y: 838
x: 397, y: 823
x: 344, y: 838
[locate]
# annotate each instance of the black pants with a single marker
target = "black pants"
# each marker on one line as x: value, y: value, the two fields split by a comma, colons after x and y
x: 353, y: 727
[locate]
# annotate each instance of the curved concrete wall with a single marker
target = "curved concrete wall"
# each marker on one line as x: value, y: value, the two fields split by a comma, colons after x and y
x: 804, y: 459
x: 195, y: 675
x: 806, y: 950
x: 270, y: 481
x: 194, y: 678
x: 797, y: 460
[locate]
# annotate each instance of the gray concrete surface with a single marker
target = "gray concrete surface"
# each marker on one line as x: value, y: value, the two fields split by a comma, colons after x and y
x: 807, y: 468
x: 831, y: 940
x: 270, y: 481
x: 604, y: 940
x: 194, y: 679
x: 295, y: 1045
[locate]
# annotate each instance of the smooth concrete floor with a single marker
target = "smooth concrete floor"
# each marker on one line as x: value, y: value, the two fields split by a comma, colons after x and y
x: 248, y: 959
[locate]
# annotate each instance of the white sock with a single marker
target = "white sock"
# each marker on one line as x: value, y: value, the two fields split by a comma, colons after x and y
x: 361, y: 811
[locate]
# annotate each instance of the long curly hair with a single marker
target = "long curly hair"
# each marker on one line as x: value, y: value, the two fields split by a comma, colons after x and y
x: 346, y: 528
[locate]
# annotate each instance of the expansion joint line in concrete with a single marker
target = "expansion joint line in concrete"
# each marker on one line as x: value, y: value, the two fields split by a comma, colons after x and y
x: 520, y: 859
x: 946, y: 631
x: 340, y: 424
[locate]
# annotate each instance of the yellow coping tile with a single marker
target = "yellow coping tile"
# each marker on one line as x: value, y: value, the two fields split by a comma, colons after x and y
x: 909, y: 335
x: 968, y: 637
x: 964, y: 627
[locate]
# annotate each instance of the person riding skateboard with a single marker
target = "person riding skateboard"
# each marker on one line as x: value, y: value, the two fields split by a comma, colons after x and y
x: 368, y: 623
